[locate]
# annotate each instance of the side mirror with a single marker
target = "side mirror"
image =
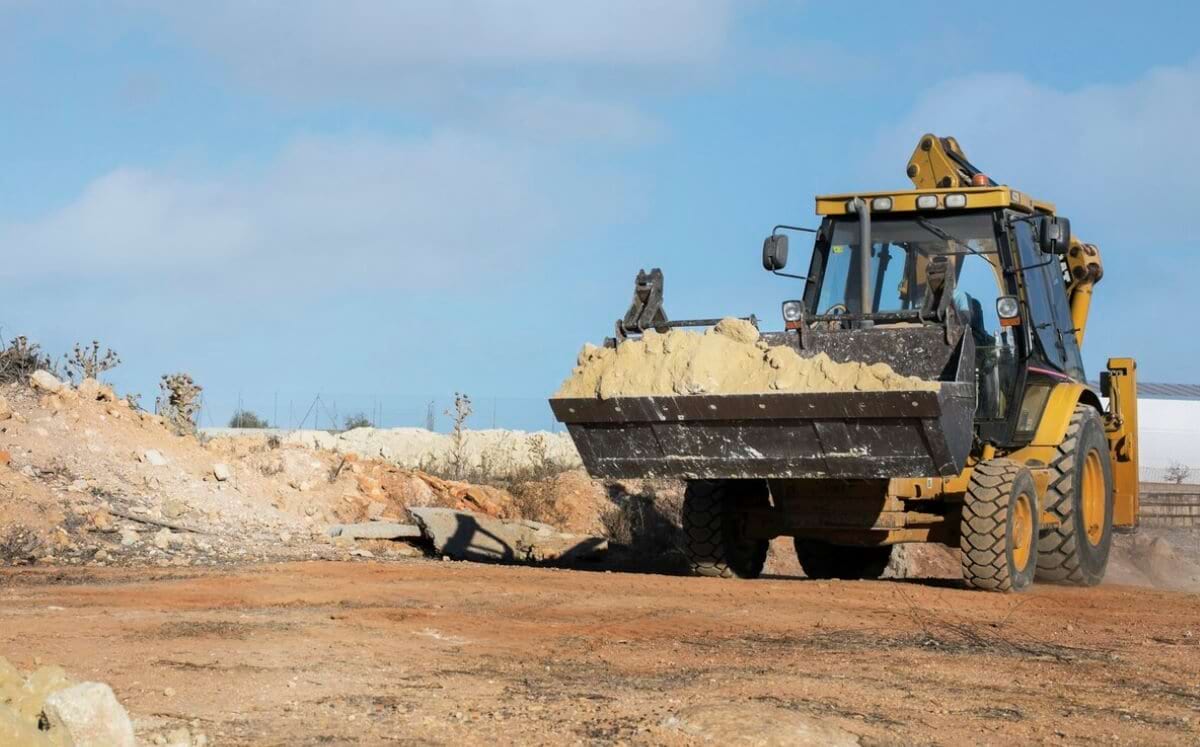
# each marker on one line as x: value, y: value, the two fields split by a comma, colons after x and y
x: 775, y: 252
x: 1055, y: 235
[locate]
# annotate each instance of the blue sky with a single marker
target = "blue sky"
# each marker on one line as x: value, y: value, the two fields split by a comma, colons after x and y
x: 391, y: 201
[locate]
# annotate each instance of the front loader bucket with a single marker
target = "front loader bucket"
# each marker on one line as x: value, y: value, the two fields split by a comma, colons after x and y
x: 839, y: 435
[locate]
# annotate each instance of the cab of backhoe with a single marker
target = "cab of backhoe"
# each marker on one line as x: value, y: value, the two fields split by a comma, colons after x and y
x: 1000, y: 261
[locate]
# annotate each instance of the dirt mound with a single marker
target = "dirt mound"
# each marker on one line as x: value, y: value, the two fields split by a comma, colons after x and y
x: 729, y: 358
x: 494, y: 454
x: 85, y: 478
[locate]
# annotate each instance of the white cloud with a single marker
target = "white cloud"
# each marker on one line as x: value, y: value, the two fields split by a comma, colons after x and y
x: 302, y: 45
x: 557, y: 70
x: 1115, y: 155
x: 353, y: 211
x: 542, y: 117
x: 813, y: 61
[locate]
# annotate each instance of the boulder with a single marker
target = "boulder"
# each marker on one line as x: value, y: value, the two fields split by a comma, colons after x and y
x: 465, y: 535
x: 90, y: 714
x: 221, y: 471
x: 45, y: 381
x: 154, y: 458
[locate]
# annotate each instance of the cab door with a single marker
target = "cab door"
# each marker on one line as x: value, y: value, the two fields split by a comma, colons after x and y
x: 1050, y: 327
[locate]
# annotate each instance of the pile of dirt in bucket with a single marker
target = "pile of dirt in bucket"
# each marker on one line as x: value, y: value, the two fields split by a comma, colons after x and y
x: 730, y: 358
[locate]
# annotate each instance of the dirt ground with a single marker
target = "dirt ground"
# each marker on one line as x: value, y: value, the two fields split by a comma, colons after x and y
x: 433, y: 652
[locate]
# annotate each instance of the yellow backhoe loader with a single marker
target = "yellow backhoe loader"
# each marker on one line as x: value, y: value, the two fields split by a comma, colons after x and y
x: 1013, y: 458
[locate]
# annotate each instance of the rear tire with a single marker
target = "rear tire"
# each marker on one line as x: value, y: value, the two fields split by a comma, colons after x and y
x: 998, y: 534
x: 1080, y: 494
x: 713, y: 521
x: 821, y: 560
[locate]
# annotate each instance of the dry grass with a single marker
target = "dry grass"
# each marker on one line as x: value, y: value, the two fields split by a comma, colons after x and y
x: 18, y: 545
x: 20, y: 359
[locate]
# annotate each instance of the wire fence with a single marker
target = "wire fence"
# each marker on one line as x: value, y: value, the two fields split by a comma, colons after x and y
x: 1176, y: 473
x: 337, y: 410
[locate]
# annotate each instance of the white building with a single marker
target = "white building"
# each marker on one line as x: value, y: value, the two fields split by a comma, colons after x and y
x: 1169, y: 429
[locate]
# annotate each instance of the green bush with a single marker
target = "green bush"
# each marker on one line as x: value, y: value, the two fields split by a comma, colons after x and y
x: 247, y: 419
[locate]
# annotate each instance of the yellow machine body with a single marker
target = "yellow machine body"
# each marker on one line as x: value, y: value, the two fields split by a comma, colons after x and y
x: 938, y: 169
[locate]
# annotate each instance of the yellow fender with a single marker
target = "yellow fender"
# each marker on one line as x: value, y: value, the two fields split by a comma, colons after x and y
x: 1056, y: 416
x: 1120, y: 424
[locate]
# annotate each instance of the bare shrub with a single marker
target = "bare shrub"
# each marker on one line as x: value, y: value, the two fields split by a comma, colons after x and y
x: 357, y: 420
x: 19, y: 544
x: 88, y: 363
x: 535, y: 501
x: 498, y: 465
x: 457, y: 459
x: 271, y: 467
x: 247, y: 419
x: 542, y: 465
x: 179, y: 402
x: 20, y: 359
x: 1177, y: 473
x: 134, y: 400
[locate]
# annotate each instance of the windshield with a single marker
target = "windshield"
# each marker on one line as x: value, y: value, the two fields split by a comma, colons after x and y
x: 901, y: 248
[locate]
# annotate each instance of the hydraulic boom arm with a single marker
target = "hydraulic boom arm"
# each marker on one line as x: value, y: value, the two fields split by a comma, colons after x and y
x: 940, y: 163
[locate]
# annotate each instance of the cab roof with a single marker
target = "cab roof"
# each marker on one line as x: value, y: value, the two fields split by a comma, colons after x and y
x: 905, y: 201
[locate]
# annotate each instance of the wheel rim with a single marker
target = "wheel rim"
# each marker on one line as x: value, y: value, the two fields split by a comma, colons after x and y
x: 1022, y: 532
x: 1092, y: 498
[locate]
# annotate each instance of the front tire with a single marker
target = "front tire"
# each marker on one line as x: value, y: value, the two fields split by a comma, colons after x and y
x: 999, y: 529
x: 713, y: 528
x: 1080, y: 494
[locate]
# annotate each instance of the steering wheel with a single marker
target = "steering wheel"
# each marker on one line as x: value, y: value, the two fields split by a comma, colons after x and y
x: 836, y: 310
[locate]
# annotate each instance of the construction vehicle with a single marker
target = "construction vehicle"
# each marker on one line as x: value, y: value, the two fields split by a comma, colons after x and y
x: 1014, y: 459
